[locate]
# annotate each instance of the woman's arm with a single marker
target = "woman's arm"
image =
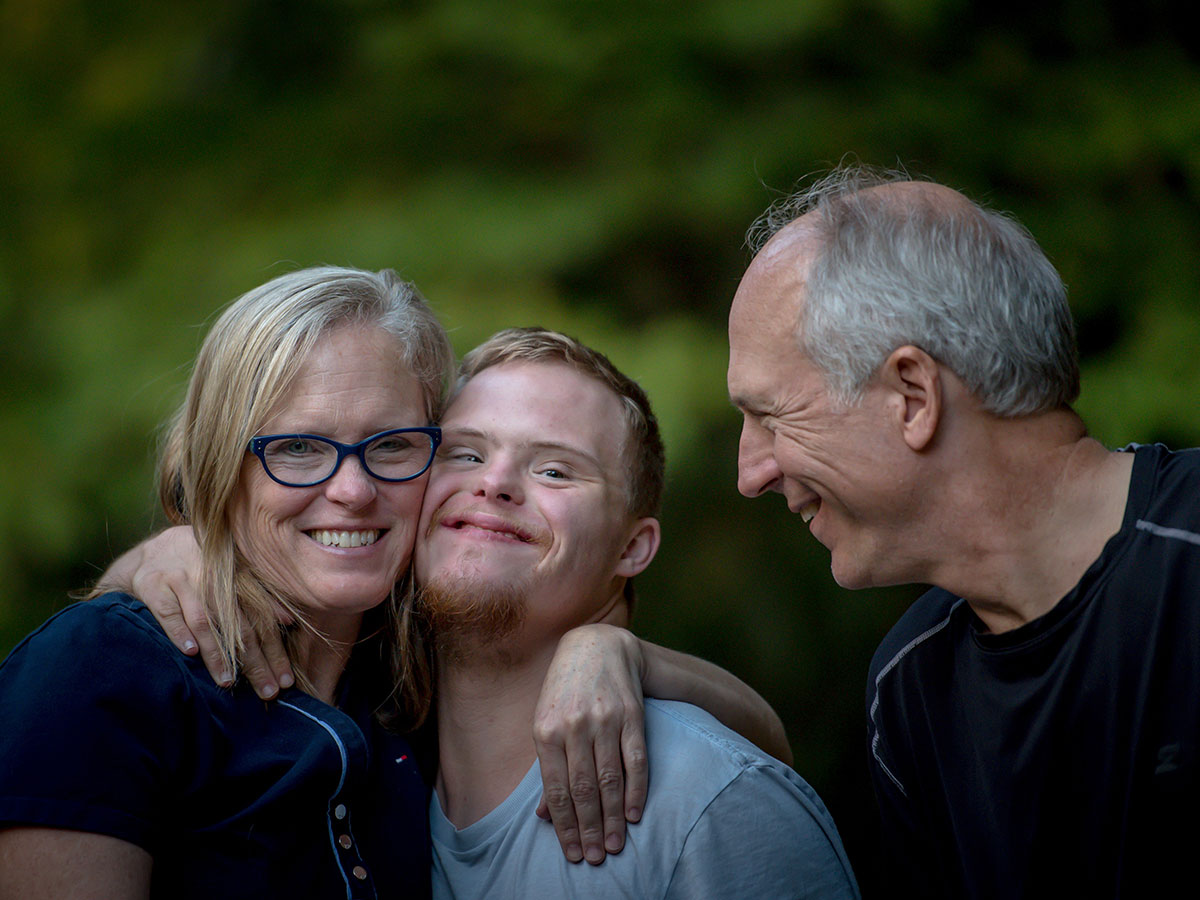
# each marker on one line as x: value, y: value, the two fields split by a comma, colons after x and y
x: 52, y: 863
x: 163, y: 572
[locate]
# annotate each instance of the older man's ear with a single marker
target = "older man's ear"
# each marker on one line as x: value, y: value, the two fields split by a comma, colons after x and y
x: 915, y: 380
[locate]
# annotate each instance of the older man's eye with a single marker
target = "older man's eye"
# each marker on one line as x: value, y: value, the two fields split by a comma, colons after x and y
x: 553, y: 473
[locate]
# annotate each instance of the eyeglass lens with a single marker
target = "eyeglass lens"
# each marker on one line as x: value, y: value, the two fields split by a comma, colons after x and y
x: 302, y: 460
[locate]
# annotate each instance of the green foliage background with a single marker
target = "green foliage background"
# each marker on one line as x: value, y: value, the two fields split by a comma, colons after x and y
x: 590, y: 166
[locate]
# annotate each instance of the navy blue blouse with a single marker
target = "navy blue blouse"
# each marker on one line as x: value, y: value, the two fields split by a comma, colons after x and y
x: 105, y: 727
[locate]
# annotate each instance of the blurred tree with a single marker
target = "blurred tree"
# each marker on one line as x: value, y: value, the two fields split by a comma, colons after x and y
x: 588, y: 166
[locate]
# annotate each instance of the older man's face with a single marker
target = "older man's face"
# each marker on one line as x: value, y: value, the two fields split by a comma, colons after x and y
x: 529, y: 490
x: 834, y: 466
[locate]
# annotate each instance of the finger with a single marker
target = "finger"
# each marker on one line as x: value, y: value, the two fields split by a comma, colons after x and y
x: 255, y: 667
x: 210, y: 650
x: 556, y: 795
x: 637, y: 770
x: 585, y: 796
x: 277, y: 658
x: 611, y: 784
x: 161, y: 600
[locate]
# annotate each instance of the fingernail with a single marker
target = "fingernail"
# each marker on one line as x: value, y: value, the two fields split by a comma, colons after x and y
x: 633, y: 814
x: 594, y: 855
x: 268, y: 691
x: 574, y: 852
x: 189, y: 646
x: 286, y: 681
x: 613, y: 843
x: 225, y: 679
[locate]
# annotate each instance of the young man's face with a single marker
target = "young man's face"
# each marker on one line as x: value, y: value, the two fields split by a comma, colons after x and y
x: 529, y: 492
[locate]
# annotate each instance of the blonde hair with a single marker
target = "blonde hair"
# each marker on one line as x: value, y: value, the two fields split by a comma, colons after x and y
x: 245, y: 366
x: 642, y: 446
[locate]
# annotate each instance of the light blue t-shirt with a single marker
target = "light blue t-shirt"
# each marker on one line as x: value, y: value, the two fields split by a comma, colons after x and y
x: 722, y: 819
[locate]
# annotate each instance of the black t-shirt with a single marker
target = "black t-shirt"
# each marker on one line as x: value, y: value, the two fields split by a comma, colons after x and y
x: 1058, y: 759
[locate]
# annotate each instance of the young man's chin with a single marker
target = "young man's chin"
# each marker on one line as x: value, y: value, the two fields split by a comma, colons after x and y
x: 468, y: 612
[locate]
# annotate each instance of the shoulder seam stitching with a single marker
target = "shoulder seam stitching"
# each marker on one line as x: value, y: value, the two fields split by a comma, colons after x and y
x: 891, y: 664
x: 1163, y: 531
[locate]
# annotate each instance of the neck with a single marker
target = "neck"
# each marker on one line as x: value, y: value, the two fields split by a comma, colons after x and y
x: 485, y: 707
x: 487, y: 694
x: 1028, y: 506
x: 323, y: 657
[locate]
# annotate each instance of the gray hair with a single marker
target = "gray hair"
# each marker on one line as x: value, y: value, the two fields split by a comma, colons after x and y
x: 247, y: 362
x: 969, y: 286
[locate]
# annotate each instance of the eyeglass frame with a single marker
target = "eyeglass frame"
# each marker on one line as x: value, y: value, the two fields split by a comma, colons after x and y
x: 258, y: 444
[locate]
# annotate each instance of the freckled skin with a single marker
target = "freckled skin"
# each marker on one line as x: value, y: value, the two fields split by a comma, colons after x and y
x: 533, y: 446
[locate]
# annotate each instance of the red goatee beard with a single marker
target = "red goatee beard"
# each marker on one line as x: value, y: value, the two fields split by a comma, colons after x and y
x: 470, y: 618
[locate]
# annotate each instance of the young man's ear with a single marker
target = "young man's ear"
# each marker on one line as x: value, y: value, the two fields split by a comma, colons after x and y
x: 639, y: 550
x: 915, y: 379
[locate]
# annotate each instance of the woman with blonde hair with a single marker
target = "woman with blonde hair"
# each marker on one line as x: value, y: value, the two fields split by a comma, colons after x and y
x: 299, y: 460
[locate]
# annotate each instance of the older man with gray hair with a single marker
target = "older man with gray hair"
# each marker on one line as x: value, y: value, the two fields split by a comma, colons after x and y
x: 905, y: 363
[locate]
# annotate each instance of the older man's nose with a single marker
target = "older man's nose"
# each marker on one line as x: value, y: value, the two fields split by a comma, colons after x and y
x: 757, y: 470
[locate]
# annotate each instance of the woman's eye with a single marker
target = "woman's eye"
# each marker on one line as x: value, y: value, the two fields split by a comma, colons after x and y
x: 392, y: 445
x: 298, y: 447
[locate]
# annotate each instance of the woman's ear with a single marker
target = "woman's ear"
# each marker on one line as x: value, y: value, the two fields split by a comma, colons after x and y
x: 915, y: 378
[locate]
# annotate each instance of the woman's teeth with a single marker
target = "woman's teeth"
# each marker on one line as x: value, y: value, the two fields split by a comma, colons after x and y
x: 345, y: 538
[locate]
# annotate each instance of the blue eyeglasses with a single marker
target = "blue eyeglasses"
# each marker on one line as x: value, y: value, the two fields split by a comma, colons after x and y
x: 304, y: 460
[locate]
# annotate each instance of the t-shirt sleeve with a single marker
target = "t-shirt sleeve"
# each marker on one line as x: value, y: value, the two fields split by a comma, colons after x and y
x: 93, y: 725
x: 764, y: 836
x: 909, y: 862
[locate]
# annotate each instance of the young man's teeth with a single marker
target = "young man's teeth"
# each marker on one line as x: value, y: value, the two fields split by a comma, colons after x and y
x: 345, y: 538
